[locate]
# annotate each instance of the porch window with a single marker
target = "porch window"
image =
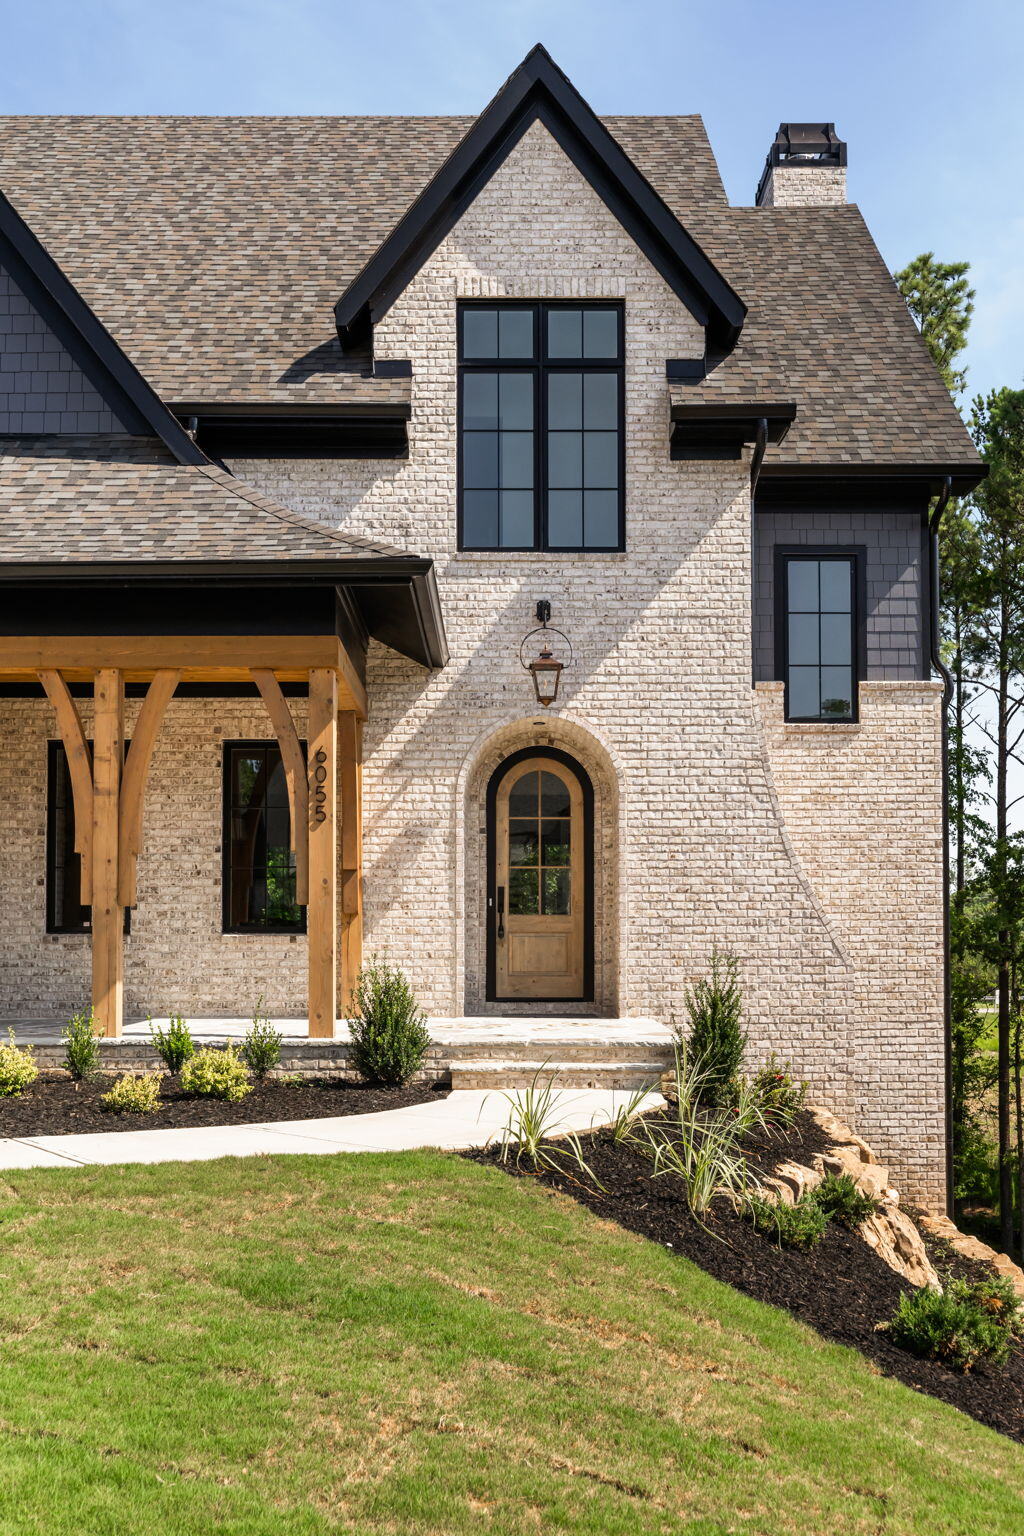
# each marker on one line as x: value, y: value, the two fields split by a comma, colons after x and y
x: 541, y: 459
x: 259, y: 865
x: 818, y: 631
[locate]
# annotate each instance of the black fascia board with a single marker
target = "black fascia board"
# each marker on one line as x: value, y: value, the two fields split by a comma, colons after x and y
x: 930, y: 475
x: 368, y: 578
x: 87, y: 339
x: 538, y: 90
x: 704, y: 430
x: 376, y: 433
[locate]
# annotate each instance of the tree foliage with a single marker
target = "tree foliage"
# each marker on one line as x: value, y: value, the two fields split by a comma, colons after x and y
x: 941, y: 301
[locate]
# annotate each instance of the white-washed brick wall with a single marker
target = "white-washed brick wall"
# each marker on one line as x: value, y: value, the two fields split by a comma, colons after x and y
x: 804, y: 186
x: 707, y: 826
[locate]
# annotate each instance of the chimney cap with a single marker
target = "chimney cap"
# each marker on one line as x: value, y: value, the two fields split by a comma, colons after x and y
x: 802, y: 144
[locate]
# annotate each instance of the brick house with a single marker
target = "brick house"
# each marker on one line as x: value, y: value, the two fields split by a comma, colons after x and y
x: 307, y: 424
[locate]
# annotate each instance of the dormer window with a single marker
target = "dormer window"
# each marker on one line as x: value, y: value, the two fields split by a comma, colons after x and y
x: 541, y: 456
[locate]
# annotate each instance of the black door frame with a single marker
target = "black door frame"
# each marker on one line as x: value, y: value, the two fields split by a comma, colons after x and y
x: 583, y: 779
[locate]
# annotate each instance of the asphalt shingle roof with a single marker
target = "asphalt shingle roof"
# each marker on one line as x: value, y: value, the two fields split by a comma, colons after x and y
x: 214, y: 250
x: 87, y: 499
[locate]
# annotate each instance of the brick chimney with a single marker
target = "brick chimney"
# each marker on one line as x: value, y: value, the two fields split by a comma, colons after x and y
x: 805, y: 168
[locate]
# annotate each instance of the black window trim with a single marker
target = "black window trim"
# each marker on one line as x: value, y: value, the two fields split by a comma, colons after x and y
x: 227, y: 927
x: 55, y: 751
x: 539, y: 367
x: 856, y: 555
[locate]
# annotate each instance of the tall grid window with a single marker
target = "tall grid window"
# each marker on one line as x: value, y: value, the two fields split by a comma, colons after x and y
x: 65, y: 912
x: 259, y: 865
x: 541, y: 459
x: 820, y: 595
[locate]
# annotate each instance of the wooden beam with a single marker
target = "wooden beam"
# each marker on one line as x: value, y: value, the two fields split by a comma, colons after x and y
x: 69, y: 724
x: 322, y: 914
x: 294, y: 774
x: 107, y: 912
x: 136, y: 772
x: 350, y: 732
x: 199, y: 658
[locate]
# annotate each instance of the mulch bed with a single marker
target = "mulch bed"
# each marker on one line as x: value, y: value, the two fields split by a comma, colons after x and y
x: 55, y: 1106
x: 840, y: 1287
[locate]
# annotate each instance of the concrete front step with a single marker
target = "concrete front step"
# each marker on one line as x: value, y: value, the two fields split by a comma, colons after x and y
x: 520, y: 1073
x: 565, y: 1051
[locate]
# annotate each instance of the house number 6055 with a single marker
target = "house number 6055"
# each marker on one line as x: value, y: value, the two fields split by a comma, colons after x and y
x: 319, y: 779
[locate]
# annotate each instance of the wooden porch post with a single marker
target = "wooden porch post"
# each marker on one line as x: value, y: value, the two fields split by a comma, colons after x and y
x: 322, y: 912
x: 351, y: 738
x: 107, y: 912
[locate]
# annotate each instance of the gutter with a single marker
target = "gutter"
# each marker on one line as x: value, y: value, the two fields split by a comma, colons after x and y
x: 947, y: 695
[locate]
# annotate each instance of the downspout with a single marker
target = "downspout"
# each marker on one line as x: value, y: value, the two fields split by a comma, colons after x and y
x: 756, y: 460
x: 947, y: 694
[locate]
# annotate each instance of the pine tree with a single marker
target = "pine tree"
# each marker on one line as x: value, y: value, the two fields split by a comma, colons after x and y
x: 942, y: 303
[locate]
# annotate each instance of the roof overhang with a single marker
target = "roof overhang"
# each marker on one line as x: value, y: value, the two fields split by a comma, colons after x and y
x: 273, y: 430
x: 712, y: 430
x: 538, y: 91
x: 393, y: 600
x: 928, y: 476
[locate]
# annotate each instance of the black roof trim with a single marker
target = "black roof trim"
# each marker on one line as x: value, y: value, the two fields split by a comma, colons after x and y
x: 966, y: 476
x: 538, y: 90
x: 706, y: 430
x: 87, y: 339
x: 269, y: 432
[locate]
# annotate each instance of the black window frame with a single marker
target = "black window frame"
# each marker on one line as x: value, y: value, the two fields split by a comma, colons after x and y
x: 227, y: 927
x: 856, y: 557
x: 56, y: 755
x: 540, y: 367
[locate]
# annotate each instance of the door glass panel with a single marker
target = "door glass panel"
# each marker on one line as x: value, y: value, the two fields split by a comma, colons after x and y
x: 522, y: 800
x: 522, y: 843
x: 522, y: 892
x: 554, y: 795
x: 554, y: 842
x: 555, y: 885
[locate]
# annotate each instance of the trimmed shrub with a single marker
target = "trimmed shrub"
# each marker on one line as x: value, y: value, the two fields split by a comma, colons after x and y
x: 954, y: 1326
x: 996, y: 1297
x: 717, y: 1038
x: 261, y: 1048
x: 81, y: 1045
x: 778, y: 1095
x: 792, y: 1226
x: 134, y: 1094
x: 838, y: 1196
x: 389, y: 1035
x: 216, y: 1074
x: 174, y: 1045
x: 17, y: 1067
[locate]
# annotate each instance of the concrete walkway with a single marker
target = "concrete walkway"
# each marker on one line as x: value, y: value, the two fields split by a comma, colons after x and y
x: 467, y: 1118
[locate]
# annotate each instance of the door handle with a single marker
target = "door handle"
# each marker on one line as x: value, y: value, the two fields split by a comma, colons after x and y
x: 501, y: 911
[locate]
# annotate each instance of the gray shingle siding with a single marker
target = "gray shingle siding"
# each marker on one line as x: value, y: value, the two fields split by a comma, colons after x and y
x: 896, y: 576
x: 42, y: 388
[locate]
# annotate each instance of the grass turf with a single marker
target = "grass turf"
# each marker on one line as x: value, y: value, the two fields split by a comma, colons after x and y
x: 411, y: 1343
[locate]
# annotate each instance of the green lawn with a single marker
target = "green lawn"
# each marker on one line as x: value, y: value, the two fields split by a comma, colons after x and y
x: 410, y: 1343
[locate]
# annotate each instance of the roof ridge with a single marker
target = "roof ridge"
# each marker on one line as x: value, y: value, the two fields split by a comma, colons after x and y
x: 295, y: 519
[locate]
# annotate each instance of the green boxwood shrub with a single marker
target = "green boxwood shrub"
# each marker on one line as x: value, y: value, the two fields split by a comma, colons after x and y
x: 17, y: 1067
x: 389, y: 1035
x: 174, y: 1045
x: 841, y: 1200
x: 134, y: 1094
x: 717, y: 1038
x: 261, y: 1048
x: 801, y: 1225
x: 81, y: 1045
x: 957, y: 1326
x: 216, y: 1074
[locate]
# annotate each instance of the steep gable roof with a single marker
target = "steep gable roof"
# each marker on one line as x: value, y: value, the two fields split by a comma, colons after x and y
x: 539, y: 91
x: 116, y: 379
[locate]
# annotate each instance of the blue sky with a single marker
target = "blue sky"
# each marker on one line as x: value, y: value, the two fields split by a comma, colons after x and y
x: 926, y: 94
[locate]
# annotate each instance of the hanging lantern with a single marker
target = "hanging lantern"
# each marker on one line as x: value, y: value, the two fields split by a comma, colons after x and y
x: 545, y: 668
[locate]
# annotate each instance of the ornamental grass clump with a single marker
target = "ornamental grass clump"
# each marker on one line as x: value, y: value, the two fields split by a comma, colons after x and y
x: 17, y: 1067
x: 174, y: 1045
x: 967, y: 1324
x: 81, y: 1045
x: 216, y: 1074
x: 801, y: 1225
x: 838, y: 1196
x: 134, y: 1094
x: 717, y: 1038
x: 534, y: 1119
x: 389, y: 1034
x: 261, y: 1048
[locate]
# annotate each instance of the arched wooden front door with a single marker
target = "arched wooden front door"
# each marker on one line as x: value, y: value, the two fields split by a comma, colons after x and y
x: 539, y: 906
